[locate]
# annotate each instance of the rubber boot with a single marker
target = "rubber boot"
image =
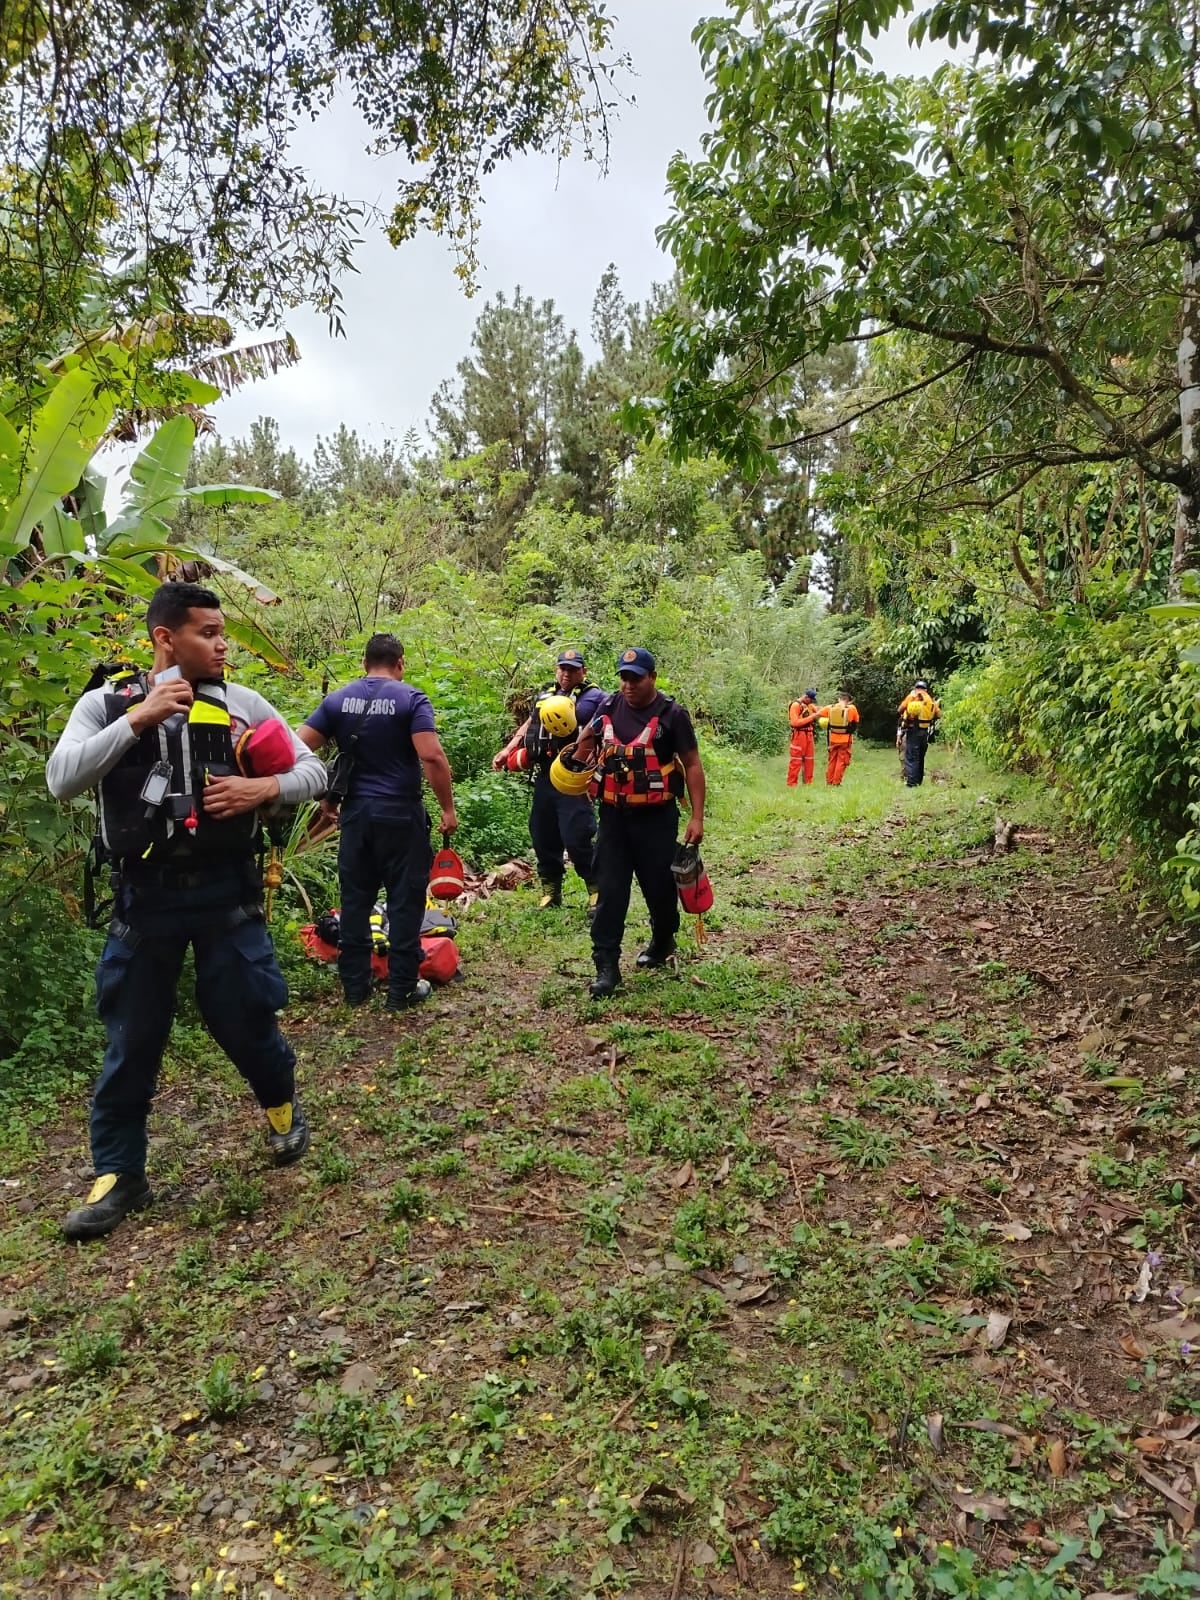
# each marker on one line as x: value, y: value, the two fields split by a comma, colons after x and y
x: 112, y: 1197
x: 551, y: 895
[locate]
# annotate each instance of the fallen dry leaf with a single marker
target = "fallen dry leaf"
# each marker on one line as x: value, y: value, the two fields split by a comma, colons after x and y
x: 1056, y: 1457
x: 1149, y: 1445
x: 1179, y: 1328
x: 986, y: 1507
x: 998, y: 1325
x: 1017, y: 1232
x: 986, y: 1425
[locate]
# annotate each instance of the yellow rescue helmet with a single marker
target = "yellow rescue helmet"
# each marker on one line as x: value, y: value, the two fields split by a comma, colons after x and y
x: 822, y: 722
x: 556, y: 713
x: 568, y: 775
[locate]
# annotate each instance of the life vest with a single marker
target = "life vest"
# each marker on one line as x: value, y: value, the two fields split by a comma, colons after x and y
x: 802, y: 714
x: 195, y: 748
x: 540, y: 745
x: 841, y: 723
x: 919, y: 710
x: 634, y: 774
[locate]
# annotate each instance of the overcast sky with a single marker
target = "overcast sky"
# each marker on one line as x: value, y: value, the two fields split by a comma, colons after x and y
x: 553, y: 231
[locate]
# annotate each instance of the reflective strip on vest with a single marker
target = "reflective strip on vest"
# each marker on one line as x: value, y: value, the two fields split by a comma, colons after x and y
x: 631, y: 774
x: 202, y: 711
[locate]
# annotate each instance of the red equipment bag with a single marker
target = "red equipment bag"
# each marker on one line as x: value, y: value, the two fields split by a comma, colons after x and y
x: 439, y: 962
x: 691, y: 881
x: 696, y: 898
x: 448, y: 878
x: 266, y: 751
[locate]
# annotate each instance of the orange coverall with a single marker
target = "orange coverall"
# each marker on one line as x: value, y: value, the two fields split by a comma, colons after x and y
x: 802, y: 714
x: 843, y: 719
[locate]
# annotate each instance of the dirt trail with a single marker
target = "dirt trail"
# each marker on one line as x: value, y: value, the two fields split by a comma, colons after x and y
x: 876, y: 1217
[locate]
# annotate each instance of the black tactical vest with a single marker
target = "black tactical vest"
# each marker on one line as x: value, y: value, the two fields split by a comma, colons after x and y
x: 541, y: 745
x: 195, y: 747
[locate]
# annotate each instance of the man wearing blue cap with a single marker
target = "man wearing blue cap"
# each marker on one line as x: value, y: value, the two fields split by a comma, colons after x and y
x: 802, y: 714
x: 647, y: 755
x: 557, y: 822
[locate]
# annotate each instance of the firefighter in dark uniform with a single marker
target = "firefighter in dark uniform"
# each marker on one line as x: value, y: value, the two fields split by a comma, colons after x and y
x: 557, y: 821
x: 646, y: 756
x: 178, y: 822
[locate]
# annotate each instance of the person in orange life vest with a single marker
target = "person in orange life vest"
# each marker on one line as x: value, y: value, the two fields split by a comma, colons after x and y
x: 802, y: 714
x: 918, y: 713
x: 647, y: 754
x: 841, y: 718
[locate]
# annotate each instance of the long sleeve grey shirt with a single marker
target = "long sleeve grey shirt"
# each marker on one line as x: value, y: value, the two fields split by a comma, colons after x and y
x: 87, y: 749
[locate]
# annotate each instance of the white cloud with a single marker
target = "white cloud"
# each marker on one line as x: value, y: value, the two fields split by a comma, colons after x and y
x: 552, y: 230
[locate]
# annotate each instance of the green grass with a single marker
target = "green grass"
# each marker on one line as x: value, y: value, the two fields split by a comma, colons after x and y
x: 568, y: 1294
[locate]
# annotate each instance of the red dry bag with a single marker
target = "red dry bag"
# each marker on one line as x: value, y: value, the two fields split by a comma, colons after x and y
x: 447, y: 880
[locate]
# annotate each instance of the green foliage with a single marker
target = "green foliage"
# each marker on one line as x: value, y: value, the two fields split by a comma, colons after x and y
x: 224, y: 1394
x: 49, y: 1037
x: 1110, y: 709
x: 869, y: 201
x: 452, y: 89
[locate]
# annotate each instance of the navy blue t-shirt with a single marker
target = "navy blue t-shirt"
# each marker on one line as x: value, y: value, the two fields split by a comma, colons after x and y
x: 386, y: 764
x: 589, y: 702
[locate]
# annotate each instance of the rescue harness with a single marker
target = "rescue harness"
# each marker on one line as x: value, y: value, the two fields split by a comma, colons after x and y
x: 634, y: 774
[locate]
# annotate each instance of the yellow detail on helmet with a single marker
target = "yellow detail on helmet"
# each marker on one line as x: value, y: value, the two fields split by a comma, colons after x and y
x: 557, y: 715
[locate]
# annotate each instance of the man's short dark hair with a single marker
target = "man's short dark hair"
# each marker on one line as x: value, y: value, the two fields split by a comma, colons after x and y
x: 383, y: 650
x: 172, y: 601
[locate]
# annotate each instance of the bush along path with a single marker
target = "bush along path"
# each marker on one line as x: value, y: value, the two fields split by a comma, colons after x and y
x: 852, y: 1259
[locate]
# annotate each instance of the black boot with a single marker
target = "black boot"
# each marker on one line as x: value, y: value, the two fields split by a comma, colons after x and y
x: 416, y: 996
x: 655, y: 954
x: 607, y: 980
x: 287, y: 1132
x: 113, y: 1196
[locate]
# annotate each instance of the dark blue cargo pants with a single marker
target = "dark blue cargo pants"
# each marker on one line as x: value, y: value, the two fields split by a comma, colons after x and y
x: 561, y: 822
x: 384, y: 844
x: 916, y: 743
x: 239, y: 989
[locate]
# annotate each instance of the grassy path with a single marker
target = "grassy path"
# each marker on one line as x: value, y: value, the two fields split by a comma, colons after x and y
x: 851, y: 1259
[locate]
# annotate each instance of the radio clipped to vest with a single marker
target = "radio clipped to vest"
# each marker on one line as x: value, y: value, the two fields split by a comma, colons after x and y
x: 151, y: 803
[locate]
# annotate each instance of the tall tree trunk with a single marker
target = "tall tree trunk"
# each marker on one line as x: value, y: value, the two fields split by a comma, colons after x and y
x: 1187, y: 512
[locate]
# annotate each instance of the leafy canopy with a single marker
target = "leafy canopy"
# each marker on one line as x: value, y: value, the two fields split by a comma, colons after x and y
x: 170, y: 127
x: 1026, y: 220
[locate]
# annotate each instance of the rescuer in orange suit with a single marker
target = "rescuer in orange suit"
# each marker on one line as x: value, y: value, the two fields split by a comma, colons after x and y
x: 802, y: 714
x: 841, y: 719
